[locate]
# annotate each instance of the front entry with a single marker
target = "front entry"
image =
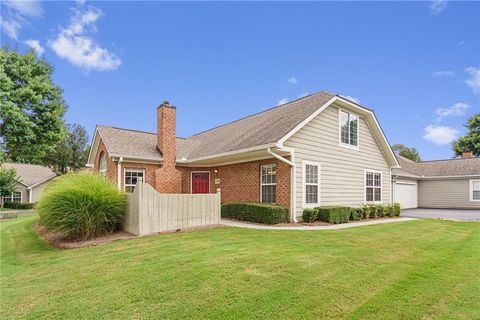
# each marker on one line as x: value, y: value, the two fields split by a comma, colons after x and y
x: 200, y: 182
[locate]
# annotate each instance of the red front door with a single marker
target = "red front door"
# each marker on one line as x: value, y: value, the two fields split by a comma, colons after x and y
x: 200, y: 182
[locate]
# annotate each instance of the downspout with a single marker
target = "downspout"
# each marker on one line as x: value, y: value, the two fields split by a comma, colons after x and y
x: 119, y: 173
x: 292, y: 179
x: 30, y: 194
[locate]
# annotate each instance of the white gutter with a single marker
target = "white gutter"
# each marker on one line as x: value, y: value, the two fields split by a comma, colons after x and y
x: 30, y: 194
x: 269, y: 151
x: 292, y: 178
x: 119, y: 173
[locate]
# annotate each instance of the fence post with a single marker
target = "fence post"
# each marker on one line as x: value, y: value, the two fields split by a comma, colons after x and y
x: 141, y: 217
x: 219, y: 205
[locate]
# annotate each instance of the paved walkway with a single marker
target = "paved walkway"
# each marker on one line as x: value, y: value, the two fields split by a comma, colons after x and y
x: 447, y: 214
x: 241, y: 224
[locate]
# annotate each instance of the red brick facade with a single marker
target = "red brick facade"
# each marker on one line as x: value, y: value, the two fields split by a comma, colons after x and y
x: 238, y: 182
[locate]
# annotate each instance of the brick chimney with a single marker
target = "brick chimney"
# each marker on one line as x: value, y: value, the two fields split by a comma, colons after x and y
x: 166, y: 132
x: 467, y: 154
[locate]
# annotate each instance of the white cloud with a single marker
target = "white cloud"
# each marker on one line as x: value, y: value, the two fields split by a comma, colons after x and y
x: 474, y: 80
x: 76, y: 45
x: 15, y: 14
x: 282, y: 101
x: 35, y: 45
x: 440, y: 135
x: 443, y: 73
x: 353, y: 99
x: 292, y: 80
x: 438, y: 6
x: 80, y: 2
x: 457, y: 109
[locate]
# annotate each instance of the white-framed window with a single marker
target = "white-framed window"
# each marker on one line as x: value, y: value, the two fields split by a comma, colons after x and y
x: 349, y: 129
x: 131, y: 178
x: 373, y: 186
x: 475, y: 190
x: 268, y: 183
x: 16, y: 196
x: 103, y: 164
x: 311, y: 184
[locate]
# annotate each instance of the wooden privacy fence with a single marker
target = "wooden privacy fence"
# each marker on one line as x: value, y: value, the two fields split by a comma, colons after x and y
x: 150, y: 211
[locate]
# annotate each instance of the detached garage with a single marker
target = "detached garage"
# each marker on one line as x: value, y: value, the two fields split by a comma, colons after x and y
x: 439, y: 184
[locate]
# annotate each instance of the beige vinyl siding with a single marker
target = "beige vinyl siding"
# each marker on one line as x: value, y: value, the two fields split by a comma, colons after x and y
x: 38, y: 190
x: 445, y: 194
x: 342, y: 171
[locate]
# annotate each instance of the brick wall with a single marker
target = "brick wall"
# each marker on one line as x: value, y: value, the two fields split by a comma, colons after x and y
x: 242, y: 181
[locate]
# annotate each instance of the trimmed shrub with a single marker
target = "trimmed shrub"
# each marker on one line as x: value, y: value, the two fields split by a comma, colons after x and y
x: 309, y: 215
x: 366, y: 212
x: 356, y: 214
x: 383, y: 210
x: 255, y: 212
x: 333, y: 214
x: 373, y: 212
x: 18, y: 205
x: 82, y: 206
x: 396, y: 209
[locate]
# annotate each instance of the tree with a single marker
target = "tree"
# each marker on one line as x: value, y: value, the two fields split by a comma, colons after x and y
x: 404, y: 151
x: 31, y: 107
x: 470, y: 141
x: 70, y: 153
x: 8, y: 179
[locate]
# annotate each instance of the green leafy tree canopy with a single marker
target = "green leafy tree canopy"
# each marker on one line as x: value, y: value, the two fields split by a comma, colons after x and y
x: 31, y: 107
x: 404, y: 151
x: 8, y: 179
x: 71, y: 153
x: 471, y: 140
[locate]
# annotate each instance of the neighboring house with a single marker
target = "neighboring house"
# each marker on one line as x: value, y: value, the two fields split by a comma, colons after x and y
x: 321, y: 149
x: 453, y: 183
x: 32, y: 180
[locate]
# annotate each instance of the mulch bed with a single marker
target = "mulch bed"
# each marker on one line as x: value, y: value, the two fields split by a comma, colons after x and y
x: 59, y: 241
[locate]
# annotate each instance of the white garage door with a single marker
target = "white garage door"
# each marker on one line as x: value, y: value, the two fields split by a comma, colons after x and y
x: 406, y: 194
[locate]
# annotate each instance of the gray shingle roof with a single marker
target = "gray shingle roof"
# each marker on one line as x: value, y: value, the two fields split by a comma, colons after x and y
x: 438, y: 168
x: 30, y: 174
x: 262, y: 128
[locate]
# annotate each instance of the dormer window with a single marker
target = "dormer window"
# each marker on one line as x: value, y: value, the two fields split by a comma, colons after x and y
x: 348, y: 129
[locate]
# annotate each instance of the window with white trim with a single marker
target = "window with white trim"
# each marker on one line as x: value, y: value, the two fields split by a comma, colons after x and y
x: 103, y: 164
x: 348, y: 129
x: 475, y: 190
x: 311, y: 183
x: 131, y: 178
x: 373, y: 186
x: 16, y: 196
x: 268, y: 183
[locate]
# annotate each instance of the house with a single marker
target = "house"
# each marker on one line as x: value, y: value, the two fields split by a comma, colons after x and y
x: 453, y: 183
x: 32, y: 180
x: 321, y: 149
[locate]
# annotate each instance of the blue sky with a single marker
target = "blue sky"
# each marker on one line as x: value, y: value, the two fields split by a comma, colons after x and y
x: 417, y: 64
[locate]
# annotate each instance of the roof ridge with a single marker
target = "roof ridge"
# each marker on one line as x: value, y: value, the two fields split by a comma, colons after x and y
x: 260, y: 112
x: 133, y: 130
x: 453, y: 159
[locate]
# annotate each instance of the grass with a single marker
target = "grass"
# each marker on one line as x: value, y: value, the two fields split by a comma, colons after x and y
x: 421, y: 269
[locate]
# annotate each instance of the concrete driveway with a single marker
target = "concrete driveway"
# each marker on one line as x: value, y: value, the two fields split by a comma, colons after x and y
x: 448, y: 214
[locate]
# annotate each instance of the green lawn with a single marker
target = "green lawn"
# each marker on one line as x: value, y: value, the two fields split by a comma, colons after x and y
x: 420, y: 269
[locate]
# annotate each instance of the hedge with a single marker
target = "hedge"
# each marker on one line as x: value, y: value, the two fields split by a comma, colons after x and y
x: 255, y: 212
x: 333, y: 214
x: 18, y: 205
x: 338, y: 214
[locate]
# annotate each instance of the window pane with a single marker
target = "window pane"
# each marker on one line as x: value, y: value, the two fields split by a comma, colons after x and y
x: 378, y: 194
x: 378, y: 179
x: 369, y: 180
x: 129, y: 189
x: 369, y: 194
x: 269, y: 193
x: 311, y: 194
x: 353, y: 129
x: 476, y: 195
x: 476, y: 185
x: 311, y: 174
x: 344, y: 130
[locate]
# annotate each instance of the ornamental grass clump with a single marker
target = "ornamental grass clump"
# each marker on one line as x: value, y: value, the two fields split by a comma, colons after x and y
x: 82, y: 206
